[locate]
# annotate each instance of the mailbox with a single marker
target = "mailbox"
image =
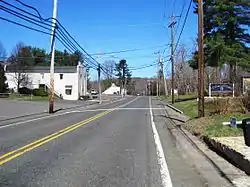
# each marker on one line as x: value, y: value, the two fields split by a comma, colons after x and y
x: 233, y: 122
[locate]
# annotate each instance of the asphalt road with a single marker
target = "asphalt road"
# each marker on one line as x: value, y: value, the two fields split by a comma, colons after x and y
x: 119, y: 146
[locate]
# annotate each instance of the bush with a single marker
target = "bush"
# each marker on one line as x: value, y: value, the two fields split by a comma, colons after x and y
x: 225, y: 105
x: 246, y: 100
x: 25, y: 91
x: 40, y: 92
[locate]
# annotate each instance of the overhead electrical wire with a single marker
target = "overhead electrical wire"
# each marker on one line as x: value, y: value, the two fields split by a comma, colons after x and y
x: 173, y: 7
x: 182, y: 10
x: 129, y: 50
x: 42, y: 21
x: 184, y: 23
x: 60, y: 35
x: 75, y: 40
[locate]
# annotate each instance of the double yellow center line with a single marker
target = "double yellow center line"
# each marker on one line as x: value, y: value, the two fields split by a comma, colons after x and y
x: 20, y: 151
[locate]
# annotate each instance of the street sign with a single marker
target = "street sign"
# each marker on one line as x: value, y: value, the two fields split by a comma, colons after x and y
x: 221, y: 88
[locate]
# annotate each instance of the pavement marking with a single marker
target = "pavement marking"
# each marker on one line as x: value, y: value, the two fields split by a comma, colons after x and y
x: 20, y: 151
x: 103, y: 109
x: 165, y: 176
x: 51, y: 116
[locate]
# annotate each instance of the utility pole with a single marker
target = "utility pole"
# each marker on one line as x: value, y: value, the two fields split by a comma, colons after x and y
x: 157, y: 82
x: 172, y: 55
x: 200, y: 60
x: 52, y: 62
x: 99, y: 78
x: 164, y: 79
x: 162, y: 70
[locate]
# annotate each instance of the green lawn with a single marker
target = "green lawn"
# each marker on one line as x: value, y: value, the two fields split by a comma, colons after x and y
x: 27, y: 97
x: 210, y: 126
x: 179, y: 98
x: 218, y: 130
x: 188, y: 107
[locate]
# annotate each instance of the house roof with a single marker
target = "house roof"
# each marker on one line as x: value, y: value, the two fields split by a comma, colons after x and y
x: 43, y: 69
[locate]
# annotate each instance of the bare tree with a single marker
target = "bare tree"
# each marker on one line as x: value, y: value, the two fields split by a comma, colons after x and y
x: 109, y: 67
x: 185, y: 78
x: 3, y: 52
x: 20, y: 60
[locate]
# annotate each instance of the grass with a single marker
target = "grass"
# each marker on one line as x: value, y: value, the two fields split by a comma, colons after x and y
x: 179, y: 98
x: 218, y: 130
x: 209, y: 126
x: 27, y: 97
x: 189, y: 108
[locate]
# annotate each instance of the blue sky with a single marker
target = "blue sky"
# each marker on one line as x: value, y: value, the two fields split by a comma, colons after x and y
x: 110, y: 25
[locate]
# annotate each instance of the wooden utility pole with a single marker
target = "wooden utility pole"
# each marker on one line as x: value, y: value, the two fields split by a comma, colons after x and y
x: 172, y: 55
x: 52, y: 63
x: 164, y: 80
x: 99, y: 78
x: 157, y: 81
x: 200, y: 60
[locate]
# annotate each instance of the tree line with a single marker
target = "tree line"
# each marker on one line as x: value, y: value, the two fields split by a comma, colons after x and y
x: 23, y: 56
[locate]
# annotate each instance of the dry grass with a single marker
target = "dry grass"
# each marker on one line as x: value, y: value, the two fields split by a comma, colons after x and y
x: 224, y: 105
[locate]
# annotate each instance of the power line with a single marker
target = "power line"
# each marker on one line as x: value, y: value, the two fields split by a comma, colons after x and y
x: 47, y: 20
x: 31, y: 7
x: 182, y: 10
x: 129, y: 50
x: 10, y: 21
x: 184, y: 23
x: 65, y: 39
x: 143, y: 67
x: 173, y: 7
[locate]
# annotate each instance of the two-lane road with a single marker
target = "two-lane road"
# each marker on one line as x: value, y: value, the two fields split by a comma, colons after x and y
x: 120, y: 144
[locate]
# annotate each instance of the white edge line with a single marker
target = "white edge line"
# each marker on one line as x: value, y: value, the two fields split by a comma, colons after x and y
x: 165, y: 176
x: 55, y: 115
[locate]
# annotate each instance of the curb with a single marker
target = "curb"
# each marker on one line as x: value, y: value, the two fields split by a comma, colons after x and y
x: 176, y: 109
x: 170, y: 106
x: 231, y: 155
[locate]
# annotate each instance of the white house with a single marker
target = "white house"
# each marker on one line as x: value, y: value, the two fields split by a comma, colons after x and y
x: 113, y: 89
x: 70, y: 82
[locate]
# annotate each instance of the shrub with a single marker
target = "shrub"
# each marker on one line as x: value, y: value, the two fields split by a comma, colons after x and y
x: 25, y: 90
x: 40, y: 92
x: 246, y: 100
x: 225, y: 105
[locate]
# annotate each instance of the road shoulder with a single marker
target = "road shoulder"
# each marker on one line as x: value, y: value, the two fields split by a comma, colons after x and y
x: 215, y: 169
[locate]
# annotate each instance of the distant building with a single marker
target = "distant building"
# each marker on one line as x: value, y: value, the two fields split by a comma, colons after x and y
x: 70, y: 82
x: 113, y: 89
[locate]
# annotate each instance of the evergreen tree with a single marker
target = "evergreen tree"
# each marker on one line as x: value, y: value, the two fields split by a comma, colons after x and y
x: 123, y: 73
x: 226, y: 36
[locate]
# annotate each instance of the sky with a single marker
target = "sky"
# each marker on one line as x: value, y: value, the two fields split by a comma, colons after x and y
x: 110, y: 25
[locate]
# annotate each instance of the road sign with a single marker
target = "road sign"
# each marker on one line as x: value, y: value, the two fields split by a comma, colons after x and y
x: 221, y: 88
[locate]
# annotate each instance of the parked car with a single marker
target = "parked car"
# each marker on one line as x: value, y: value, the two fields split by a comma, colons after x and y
x: 93, y: 92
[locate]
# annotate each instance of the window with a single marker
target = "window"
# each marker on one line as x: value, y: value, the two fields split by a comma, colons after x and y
x: 61, y: 76
x: 68, y: 89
